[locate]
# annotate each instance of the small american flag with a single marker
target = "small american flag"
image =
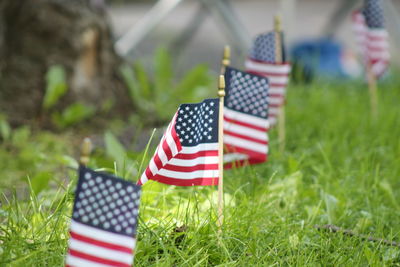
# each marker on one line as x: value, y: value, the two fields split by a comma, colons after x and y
x: 104, y: 221
x: 371, y: 36
x: 261, y: 61
x: 188, y: 152
x: 245, y: 118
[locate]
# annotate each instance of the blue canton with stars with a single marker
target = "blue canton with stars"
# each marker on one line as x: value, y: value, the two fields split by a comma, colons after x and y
x: 263, y: 48
x: 198, y: 123
x: 246, y: 93
x: 106, y: 202
x: 373, y: 13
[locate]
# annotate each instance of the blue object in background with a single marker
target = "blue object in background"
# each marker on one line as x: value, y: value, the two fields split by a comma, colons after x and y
x: 320, y: 57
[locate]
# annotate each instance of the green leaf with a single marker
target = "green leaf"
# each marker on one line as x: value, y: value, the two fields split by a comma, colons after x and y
x: 5, y: 129
x: 40, y: 181
x: 56, y: 86
x: 135, y: 91
x: 73, y: 114
x: 194, y: 79
x: 21, y: 136
x: 114, y: 148
x: 143, y: 80
x: 163, y: 72
x: 331, y: 205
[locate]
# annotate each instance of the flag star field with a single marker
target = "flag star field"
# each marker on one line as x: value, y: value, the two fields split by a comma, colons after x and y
x: 196, y: 123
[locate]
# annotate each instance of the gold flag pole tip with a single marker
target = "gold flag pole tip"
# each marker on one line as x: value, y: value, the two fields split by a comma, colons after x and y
x: 221, y: 86
x: 227, y: 55
x: 86, y: 149
x: 277, y: 23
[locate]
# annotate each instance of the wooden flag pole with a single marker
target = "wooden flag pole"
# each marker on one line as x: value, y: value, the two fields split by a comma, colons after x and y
x: 278, y: 60
x: 373, y: 91
x: 221, y: 95
x: 86, y: 149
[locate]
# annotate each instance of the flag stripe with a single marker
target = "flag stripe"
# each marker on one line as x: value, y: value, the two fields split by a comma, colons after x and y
x: 245, y: 131
x: 73, y: 261
x: 99, y: 243
x: 253, y: 156
x: 100, y: 252
x: 243, y: 143
x: 189, y: 175
x: 245, y: 137
x: 186, y: 182
x: 194, y: 161
x: 189, y: 169
x: 256, y: 122
x: 204, y: 153
x: 101, y: 235
x: 95, y: 259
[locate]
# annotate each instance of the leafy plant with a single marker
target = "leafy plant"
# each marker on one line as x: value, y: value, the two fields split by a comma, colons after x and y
x: 56, y: 86
x: 160, y: 95
x: 5, y: 129
x: 73, y: 114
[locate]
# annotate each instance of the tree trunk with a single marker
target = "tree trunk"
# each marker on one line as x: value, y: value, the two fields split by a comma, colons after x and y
x: 35, y: 35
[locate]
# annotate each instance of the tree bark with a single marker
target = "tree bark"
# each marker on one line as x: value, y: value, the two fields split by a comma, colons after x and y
x: 34, y: 35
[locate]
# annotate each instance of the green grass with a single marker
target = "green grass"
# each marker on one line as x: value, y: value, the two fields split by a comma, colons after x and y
x: 340, y: 167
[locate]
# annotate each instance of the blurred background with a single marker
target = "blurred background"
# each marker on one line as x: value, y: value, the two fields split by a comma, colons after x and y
x: 68, y: 62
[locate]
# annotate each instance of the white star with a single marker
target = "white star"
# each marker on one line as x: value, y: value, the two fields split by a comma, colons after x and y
x: 186, y: 136
x: 191, y: 112
x: 179, y: 119
x: 209, y: 137
x: 187, y: 108
x: 210, y: 120
x: 211, y: 103
x: 190, y: 140
x: 186, y: 116
x: 181, y: 111
x: 210, y: 129
x: 188, y: 128
x: 178, y: 127
x: 211, y: 111
x: 189, y: 120
x: 184, y: 124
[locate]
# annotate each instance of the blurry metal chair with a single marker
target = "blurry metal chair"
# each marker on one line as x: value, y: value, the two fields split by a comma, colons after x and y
x: 221, y: 10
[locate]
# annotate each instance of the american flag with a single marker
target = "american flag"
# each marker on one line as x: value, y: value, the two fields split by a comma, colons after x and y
x: 245, y: 118
x: 104, y: 221
x: 371, y: 36
x: 188, y: 151
x: 261, y: 61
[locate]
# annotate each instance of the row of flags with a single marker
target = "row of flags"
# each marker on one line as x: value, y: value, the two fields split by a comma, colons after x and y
x: 187, y: 154
x: 105, y: 212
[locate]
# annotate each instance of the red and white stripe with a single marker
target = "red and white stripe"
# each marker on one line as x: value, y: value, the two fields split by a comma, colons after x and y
x: 372, y: 44
x: 360, y: 31
x: 245, y: 138
x: 378, y: 50
x: 93, y: 247
x: 175, y: 164
x: 278, y: 76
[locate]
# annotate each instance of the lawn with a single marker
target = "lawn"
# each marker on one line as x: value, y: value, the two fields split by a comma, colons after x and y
x: 340, y: 166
